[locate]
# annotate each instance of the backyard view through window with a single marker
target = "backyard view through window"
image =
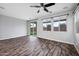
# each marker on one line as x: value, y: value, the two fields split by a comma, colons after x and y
x: 33, y: 28
x: 47, y: 26
x: 60, y: 25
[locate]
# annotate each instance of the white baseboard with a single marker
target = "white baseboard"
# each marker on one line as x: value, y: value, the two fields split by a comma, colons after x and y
x: 77, y: 48
x: 58, y: 41
x: 5, y: 38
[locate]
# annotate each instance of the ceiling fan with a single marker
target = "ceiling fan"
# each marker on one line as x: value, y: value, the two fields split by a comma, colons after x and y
x: 44, y: 6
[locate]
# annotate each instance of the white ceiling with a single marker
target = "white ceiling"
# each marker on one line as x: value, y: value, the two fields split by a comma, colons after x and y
x: 23, y: 11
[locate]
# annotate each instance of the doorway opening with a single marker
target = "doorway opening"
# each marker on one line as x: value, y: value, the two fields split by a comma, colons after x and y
x: 33, y: 28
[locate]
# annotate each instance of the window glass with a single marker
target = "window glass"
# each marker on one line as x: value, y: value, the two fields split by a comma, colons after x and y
x: 60, y: 25
x: 77, y: 21
x: 47, y: 26
x: 56, y: 26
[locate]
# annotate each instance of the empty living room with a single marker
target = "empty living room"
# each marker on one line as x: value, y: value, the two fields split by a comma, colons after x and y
x: 39, y: 29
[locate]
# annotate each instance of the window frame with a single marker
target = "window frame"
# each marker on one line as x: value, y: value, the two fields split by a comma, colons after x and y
x: 59, y: 21
x: 45, y: 22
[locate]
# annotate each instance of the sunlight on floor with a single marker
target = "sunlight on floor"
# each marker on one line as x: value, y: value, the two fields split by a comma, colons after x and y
x: 33, y: 38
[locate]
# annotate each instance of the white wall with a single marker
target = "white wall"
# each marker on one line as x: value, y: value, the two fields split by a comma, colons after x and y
x: 11, y: 27
x: 66, y: 37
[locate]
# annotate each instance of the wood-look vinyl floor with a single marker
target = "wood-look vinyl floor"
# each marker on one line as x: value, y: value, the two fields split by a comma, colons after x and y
x: 32, y: 46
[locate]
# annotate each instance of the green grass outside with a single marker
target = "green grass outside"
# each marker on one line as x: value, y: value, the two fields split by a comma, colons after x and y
x: 33, y: 33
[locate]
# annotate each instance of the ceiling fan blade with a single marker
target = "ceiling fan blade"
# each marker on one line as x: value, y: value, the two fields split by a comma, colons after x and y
x: 42, y: 4
x: 50, y: 4
x: 36, y: 6
x: 45, y: 9
x: 38, y: 11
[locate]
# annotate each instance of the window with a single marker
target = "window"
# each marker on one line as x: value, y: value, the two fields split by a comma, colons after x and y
x: 63, y: 25
x: 77, y: 21
x: 56, y: 25
x: 60, y: 25
x: 47, y: 26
